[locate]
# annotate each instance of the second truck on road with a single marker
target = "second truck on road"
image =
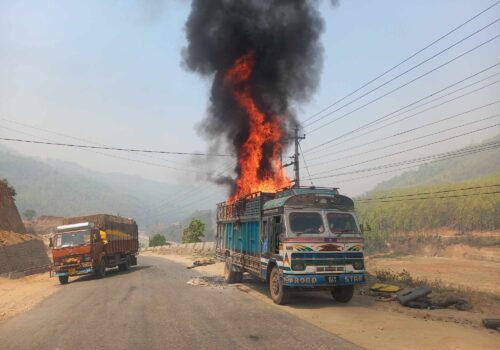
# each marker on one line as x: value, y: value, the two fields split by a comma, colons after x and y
x: 90, y: 244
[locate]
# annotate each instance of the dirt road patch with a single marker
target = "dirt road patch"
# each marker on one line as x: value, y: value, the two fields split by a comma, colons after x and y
x: 23, y: 294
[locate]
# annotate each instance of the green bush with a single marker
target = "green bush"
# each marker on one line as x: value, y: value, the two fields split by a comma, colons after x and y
x: 157, y: 240
x: 11, y: 189
x: 194, y: 232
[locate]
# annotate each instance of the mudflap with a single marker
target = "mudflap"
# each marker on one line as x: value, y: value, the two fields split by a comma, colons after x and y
x: 133, y: 260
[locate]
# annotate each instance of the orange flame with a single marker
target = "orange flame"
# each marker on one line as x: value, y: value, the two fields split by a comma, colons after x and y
x: 253, y: 178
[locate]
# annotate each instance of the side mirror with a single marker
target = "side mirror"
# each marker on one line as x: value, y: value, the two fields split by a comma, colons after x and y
x: 51, y: 243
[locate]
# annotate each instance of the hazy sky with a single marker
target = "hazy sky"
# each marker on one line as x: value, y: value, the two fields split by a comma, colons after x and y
x: 110, y: 72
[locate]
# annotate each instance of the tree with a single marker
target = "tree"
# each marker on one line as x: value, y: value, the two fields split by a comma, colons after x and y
x: 29, y: 214
x: 194, y: 232
x: 11, y: 189
x: 157, y: 240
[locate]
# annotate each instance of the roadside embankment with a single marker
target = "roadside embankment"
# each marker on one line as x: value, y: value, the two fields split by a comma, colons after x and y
x: 21, y: 295
x: 22, y: 255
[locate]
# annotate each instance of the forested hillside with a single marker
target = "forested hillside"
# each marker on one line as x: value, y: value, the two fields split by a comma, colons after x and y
x: 65, y: 189
x: 463, y: 206
x: 447, y: 171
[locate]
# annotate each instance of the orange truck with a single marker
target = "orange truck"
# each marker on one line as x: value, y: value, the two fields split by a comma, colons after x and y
x: 90, y: 244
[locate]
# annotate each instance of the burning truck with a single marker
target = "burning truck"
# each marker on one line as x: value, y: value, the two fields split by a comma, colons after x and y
x: 264, y: 57
x: 298, y: 238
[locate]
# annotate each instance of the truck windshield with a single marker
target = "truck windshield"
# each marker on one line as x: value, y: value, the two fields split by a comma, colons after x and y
x: 306, y: 223
x: 72, y: 239
x: 342, y: 223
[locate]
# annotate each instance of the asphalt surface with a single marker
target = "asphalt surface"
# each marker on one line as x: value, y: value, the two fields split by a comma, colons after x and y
x: 152, y: 307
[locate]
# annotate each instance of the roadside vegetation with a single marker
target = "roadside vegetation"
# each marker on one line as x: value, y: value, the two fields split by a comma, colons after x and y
x: 9, y: 187
x: 158, y: 240
x: 194, y: 232
x: 464, y: 211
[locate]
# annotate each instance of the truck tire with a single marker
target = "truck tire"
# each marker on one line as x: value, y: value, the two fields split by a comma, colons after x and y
x: 125, y: 266
x: 230, y: 275
x: 343, y: 294
x: 64, y: 279
x: 100, y: 270
x: 279, y: 292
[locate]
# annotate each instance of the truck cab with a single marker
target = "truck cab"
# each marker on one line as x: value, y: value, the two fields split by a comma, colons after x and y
x: 75, y: 248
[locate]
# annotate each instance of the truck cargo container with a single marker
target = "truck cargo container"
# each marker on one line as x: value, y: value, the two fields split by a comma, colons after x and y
x: 299, y: 238
x: 90, y: 244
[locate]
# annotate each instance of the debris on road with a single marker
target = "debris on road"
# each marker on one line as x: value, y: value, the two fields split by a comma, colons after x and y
x: 492, y: 323
x: 407, y: 295
x: 208, y: 281
x: 202, y: 262
x: 385, y: 288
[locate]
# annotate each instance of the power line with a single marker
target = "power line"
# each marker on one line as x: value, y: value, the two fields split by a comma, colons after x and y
x: 438, y: 197
x: 433, y: 160
x: 112, y: 155
x: 413, y: 139
x: 405, y: 84
x: 425, y: 193
x: 411, y: 130
x: 305, y: 164
x: 79, y: 139
x: 402, y: 62
x: 411, y: 149
x: 115, y: 148
x: 395, y: 113
x: 433, y: 157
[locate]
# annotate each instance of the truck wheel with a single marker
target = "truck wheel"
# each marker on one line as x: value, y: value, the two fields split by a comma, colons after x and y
x: 230, y: 275
x: 64, y: 279
x: 343, y: 294
x: 125, y: 266
x: 279, y: 292
x: 100, y: 270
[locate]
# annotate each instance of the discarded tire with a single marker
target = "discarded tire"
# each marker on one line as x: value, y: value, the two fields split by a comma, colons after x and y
x: 408, y: 295
x: 492, y: 323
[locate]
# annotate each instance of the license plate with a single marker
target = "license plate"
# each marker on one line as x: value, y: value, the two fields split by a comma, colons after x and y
x: 71, y: 271
x: 332, y: 279
x: 345, y: 279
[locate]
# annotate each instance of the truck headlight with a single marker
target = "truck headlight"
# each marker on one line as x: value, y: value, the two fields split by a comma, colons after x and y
x: 298, y: 265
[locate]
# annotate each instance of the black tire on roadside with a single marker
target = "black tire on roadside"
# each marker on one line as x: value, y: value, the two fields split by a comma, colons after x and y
x: 279, y: 293
x: 343, y: 294
x: 100, y: 270
x: 64, y: 279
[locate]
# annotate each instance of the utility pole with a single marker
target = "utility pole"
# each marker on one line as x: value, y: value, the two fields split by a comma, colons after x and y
x: 296, y: 138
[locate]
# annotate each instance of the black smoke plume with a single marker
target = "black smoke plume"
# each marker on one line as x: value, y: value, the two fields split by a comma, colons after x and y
x: 283, y: 36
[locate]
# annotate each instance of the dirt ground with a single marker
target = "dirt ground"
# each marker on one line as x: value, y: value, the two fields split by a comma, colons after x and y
x: 372, y: 324
x: 20, y: 295
x: 467, y: 273
x: 10, y: 238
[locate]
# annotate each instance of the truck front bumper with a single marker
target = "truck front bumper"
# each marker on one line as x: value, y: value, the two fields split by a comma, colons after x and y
x: 319, y: 280
x: 73, y: 272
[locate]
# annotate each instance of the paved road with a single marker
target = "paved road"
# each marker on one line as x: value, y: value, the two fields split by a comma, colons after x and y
x: 152, y: 307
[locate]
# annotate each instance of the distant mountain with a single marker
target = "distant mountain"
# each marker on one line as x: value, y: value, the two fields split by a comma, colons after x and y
x: 66, y: 189
x: 447, y: 171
